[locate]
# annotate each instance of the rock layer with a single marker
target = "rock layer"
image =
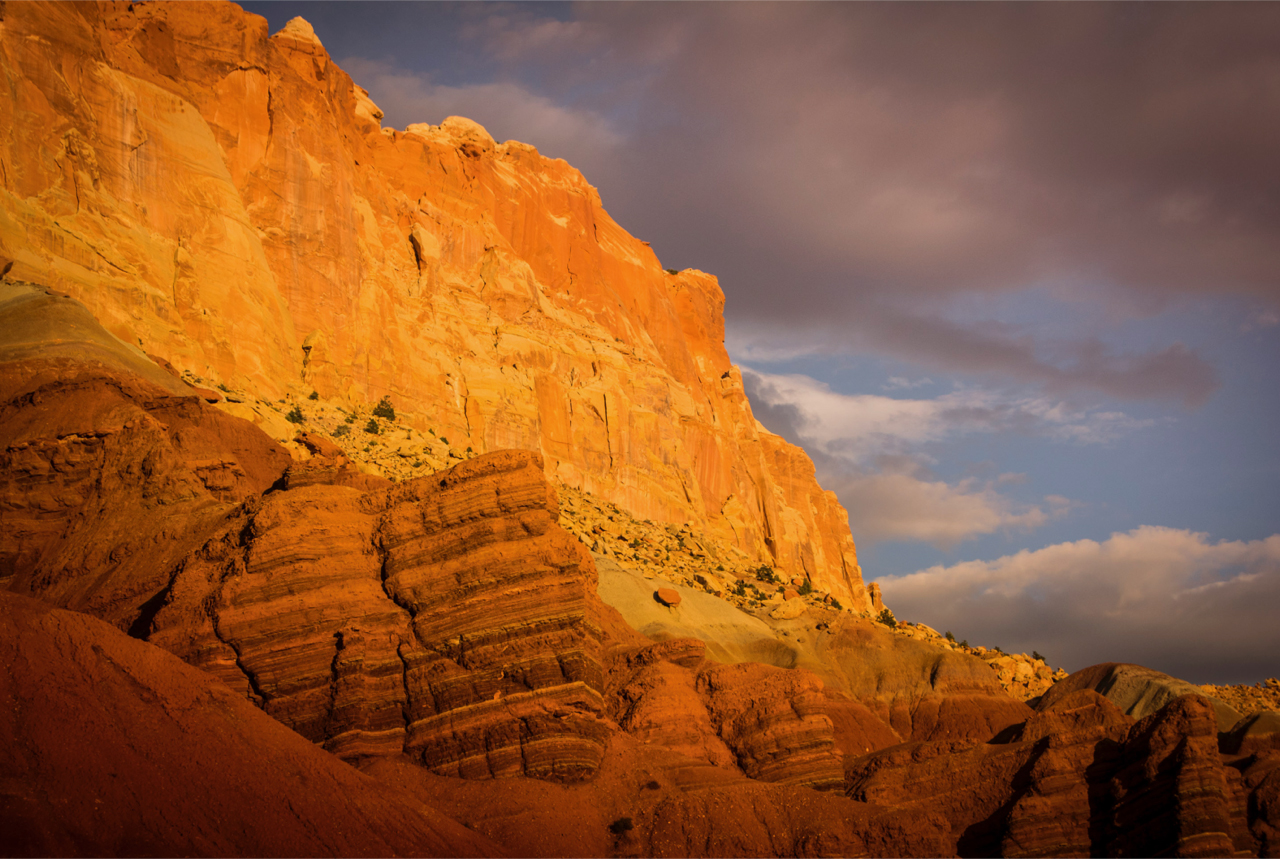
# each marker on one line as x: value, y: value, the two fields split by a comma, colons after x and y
x: 1082, y: 778
x: 230, y: 200
x: 446, y: 618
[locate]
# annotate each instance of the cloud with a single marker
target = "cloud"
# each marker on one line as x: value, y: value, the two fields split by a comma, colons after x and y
x: 858, y: 427
x: 867, y: 450
x: 507, y: 111
x: 903, y: 507
x: 1167, y: 598
x: 898, y: 383
x: 1060, y: 367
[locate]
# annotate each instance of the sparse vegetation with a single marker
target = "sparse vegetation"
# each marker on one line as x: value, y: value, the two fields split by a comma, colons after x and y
x: 765, y: 574
x: 805, y: 588
x: 950, y: 637
x: 351, y: 419
x: 835, y: 603
x: 1035, y: 654
x: 444, y: 440
x: 886, y: 617
x: 223, y: 388
x: 372, y: 427
x: 315, y: 395
x: 384, y: 409
x: 670, y: 271
x: 341, y: 431
x: 294, y: 415
x: 621, y: 826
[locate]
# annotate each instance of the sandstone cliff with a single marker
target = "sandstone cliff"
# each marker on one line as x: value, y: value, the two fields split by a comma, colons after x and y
x: 228, y: 200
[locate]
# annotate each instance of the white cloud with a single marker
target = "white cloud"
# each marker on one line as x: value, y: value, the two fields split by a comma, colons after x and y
x: 506, y: 110
x: 1168, y: 598
x: 904, y: 507
x: 896, y: 383
x: 856, y: 427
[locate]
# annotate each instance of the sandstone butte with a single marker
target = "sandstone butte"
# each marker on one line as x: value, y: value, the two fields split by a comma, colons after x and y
x: 229, y: 201
x: 222, y: 633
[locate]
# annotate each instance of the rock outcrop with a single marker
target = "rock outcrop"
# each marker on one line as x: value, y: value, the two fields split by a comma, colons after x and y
x: 229, y: 200
x: 110, y: 469
x: 115, y: 748
x: 1080, y: 778
x: 1136, y: 690
x: 446, y: 618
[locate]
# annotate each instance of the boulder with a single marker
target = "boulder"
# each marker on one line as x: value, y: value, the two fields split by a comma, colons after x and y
x: 667, y: 596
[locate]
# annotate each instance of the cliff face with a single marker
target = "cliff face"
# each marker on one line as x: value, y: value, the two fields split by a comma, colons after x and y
x: 228, y: 200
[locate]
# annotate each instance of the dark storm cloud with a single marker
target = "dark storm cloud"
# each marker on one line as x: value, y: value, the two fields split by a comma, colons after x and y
x: 851, y: 167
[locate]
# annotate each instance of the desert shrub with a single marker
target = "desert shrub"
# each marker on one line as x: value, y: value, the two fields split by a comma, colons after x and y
x: 702, y: 580
x: 384, y: 410
x: 351, y: 419
x: 372, y: 427
x: 621, y: 825
x: 964, y: 643
x: 294, y: 416
x: 315, y: 395
x: 342, y: 430
x: 1035, y: 654
x: 670, y: 271
x: 765, y: 573
x: 835, y: 603
x: 886, y: 617
x: 805, y: 588
x: 444, y: 440
x: 950, y: 637
x: 223, y: 388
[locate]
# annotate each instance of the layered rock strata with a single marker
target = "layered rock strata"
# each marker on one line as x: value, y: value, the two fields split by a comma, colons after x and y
x: 445, y: 617
x: 1082, y: 778
x: 230, y: 200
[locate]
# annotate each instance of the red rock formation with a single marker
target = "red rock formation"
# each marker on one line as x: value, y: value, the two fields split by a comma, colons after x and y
x: 446, y: 618
x: 230, y: 200
x: 110, y: 469
x: 1136, y: 690
x: 918, y: 689
x: 1080, y: 778
x: 115, y: 748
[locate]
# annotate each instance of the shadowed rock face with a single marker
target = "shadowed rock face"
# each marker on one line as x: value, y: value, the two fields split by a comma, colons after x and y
x: 1081, y: 778
x: 110, y: 468
x: 114, y: 747
x: 445, y: 618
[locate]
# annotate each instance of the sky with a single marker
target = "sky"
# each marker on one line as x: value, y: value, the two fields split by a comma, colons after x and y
x: 1010, y: 273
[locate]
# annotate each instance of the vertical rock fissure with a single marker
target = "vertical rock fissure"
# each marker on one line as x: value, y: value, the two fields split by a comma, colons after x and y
x: 405, y: 708
x: 259, y: 696
x: 329, y: 729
